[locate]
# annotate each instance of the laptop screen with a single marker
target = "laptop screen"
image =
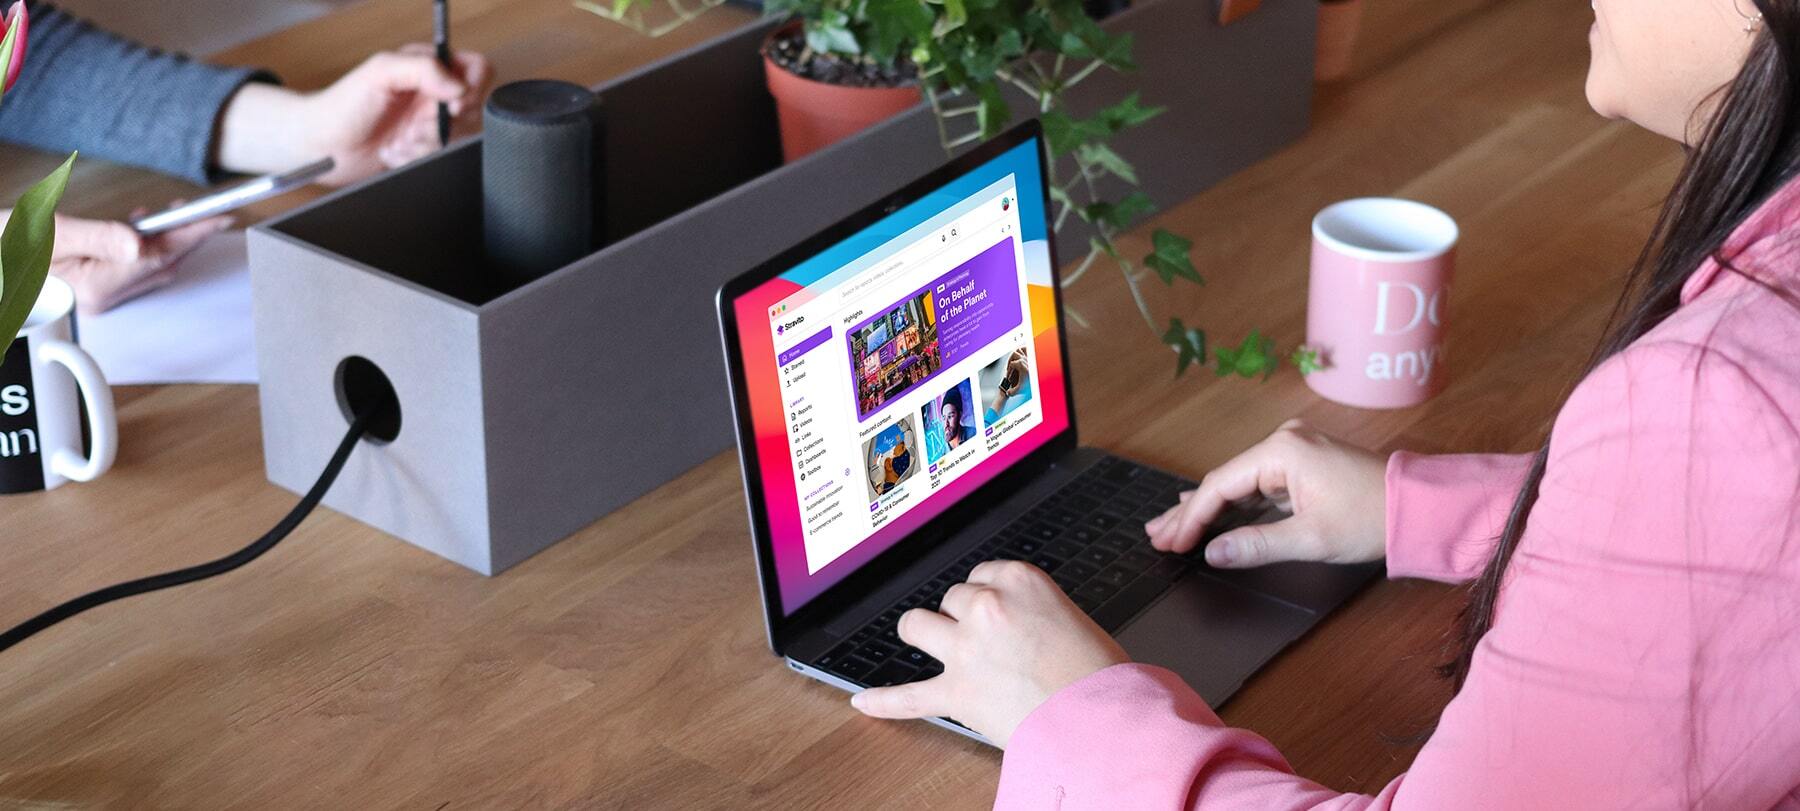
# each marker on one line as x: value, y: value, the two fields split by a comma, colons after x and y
x: 893, y: 373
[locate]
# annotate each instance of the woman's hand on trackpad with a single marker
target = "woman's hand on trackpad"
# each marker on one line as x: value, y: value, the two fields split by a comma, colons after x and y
x: 1009, y: 640
x: 1336, y: 492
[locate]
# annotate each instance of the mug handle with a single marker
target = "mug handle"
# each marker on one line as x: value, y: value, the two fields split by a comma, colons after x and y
x: 103, y: 422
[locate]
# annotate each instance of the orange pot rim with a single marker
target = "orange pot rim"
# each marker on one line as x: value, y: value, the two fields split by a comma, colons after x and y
x: 775, y: 68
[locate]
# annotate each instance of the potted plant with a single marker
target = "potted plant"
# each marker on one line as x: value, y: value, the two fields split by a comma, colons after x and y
x: 834, y: 73
x: 31, y: 229
x: 962, y: 53
x: 838, y: 68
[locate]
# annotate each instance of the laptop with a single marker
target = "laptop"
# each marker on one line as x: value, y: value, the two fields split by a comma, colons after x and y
x: 905, y: 410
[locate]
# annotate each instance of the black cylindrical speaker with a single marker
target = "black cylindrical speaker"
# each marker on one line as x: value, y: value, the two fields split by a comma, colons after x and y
x: 540, y: 178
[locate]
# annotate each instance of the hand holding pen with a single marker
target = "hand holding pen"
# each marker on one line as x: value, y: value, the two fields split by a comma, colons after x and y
x: 381, y: 114
x: 441, y: 38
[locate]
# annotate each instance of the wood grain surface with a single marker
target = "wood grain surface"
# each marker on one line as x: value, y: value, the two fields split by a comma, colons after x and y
x: 626, y: 667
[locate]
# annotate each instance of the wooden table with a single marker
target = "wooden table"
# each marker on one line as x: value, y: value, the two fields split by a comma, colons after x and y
x: 626, y: 666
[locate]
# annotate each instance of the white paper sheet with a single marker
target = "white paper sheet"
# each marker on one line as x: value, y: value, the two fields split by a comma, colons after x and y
x: 196, y: 330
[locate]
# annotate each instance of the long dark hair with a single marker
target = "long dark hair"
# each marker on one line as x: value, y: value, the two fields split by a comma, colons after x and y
x: 1749, y: 149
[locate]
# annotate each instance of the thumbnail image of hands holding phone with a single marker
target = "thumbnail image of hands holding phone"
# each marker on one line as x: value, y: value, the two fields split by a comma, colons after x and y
x: 1010, y: 638
x: 382, y: 114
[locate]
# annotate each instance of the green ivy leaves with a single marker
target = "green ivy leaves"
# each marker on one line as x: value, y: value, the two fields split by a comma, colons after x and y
x: 25, y: 250
x: 894, y: 24
x: 991, y: 114
x: 1307, y: 360
x: 981, y: 51
x: 1255, y: 356
x: 1121, y: 214
x: 830, y: 33
x: 1066, y: 133
x: 1189, y: 344
x: 1169, y: 258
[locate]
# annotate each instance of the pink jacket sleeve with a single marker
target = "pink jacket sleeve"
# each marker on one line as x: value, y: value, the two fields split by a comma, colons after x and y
x: 1445, y: 513
x: 1644, y: 654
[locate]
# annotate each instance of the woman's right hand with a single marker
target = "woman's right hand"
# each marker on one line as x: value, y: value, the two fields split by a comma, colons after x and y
x: 1337, y: 493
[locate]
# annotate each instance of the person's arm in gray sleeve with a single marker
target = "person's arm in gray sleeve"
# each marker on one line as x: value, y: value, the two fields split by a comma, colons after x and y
x: 90, y: 90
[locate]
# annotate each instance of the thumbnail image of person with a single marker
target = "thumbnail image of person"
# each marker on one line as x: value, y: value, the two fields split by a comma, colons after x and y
x: 1005, y: 384
x: 889, y: 456
x: 894, y: 352
x: 948, y: 420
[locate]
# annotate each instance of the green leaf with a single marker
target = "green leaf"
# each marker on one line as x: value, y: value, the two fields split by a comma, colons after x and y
x: 892, y: 24
x: 1255, y: 356
x: 1121, y: 214
x: 829, y: 34
x: 1103, y: 156
x: 1103, y: 246
x: 1127, y: 113
x: 1059, y: 132
x: 25, y: 250
x: 1087, y: 40
x: 1010, y: 44
x: 1307, y: 360
x: 1115, y: 52
x: 1169, y: 257
x: 980, y: 61
x: 1066, y: 134
x: 992, y: 114
x: 956, y: 12
x: 1190, y: 345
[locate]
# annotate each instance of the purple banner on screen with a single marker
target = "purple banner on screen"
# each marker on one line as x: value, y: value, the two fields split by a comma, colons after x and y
x: 803, y: 347
x: 935, y: 327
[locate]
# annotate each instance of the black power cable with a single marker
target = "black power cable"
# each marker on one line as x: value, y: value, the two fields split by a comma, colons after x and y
x: 95, y: 599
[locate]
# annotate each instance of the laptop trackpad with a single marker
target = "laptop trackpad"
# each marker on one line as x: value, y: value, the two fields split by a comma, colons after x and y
x: 1213, y: 634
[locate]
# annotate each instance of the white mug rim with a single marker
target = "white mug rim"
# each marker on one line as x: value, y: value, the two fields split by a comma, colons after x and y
x: 1435, y: 231
x: 54, y: 304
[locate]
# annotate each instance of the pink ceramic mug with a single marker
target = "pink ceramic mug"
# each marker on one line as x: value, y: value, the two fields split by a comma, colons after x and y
x: 1375, y: 308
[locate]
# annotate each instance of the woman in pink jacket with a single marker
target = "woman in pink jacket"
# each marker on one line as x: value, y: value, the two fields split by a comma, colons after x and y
x: 1633, y: 634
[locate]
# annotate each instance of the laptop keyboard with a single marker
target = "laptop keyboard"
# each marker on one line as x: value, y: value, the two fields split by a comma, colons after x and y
x: 1089, y: 535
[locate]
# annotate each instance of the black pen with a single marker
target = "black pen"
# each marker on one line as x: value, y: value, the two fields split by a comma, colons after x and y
x: 441, y: 32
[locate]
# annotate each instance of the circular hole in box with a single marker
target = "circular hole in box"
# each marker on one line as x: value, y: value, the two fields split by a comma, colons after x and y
x: 362, y: 385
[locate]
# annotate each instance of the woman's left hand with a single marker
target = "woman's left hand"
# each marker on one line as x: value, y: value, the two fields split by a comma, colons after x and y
x: 1009, y: 640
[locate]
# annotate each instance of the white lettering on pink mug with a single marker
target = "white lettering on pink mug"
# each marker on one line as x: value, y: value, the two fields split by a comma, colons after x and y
x: 1375, y: 306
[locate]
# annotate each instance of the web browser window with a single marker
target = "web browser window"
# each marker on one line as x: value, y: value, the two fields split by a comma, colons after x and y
x: 894, y: 373
x: 884, y: 385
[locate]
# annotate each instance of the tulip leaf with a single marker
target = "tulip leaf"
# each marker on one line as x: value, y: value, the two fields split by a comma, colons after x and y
x: 25, y: 250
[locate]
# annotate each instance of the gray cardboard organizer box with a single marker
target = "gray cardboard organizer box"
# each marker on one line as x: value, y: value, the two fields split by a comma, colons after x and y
x: 528, y: 414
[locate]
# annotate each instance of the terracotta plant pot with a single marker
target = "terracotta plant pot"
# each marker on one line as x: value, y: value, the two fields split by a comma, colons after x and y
x: 815, y: 114
x: 1339, y: 23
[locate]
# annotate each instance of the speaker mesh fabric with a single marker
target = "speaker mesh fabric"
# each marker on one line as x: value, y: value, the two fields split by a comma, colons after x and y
x: 539, y: 161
